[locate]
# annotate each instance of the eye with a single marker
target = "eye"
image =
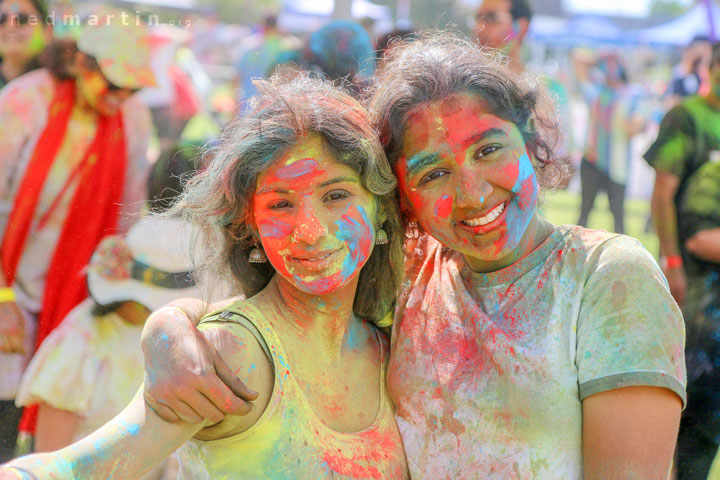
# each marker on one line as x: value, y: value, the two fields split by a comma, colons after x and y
x: 335, y: 195
x: 432, y: 175
x: 280, y: 205
x: 486, y: 150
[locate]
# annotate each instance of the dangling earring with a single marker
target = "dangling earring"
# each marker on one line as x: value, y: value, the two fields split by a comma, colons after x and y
x: 381, y: 237
x: 257, y: 255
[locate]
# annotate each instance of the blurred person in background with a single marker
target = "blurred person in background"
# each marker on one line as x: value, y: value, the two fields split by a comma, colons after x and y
x: 89, y: 368
x: 74, y: 143
x: 259, y: 56
x: 614, y: 118
x: 23, y: 36
x: 341, y: 50
x: 685, y: 208
x: 503, y: 24
x: 690, y: 75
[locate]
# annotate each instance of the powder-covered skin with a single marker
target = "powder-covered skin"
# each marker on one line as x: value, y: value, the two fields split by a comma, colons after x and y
x: 289, y: 440
x: 314, y: 219
x: 459, y: 163
x: 492, y: 368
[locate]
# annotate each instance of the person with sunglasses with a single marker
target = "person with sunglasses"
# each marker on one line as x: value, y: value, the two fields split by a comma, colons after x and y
x: 23, y: 36
x: 73, y: 159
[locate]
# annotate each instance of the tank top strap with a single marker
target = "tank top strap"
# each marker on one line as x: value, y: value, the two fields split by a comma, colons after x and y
x: 249, y: 316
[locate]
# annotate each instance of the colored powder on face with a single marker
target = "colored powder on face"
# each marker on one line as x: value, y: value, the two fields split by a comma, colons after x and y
x: 519, y: 213
x: 525, y: 172
x: 273, y: 228
x: 356, y: 235
x: 443, y: 207
x: 307, y: 168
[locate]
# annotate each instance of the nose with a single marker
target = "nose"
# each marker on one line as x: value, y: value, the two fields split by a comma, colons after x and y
x: 472, y: 190
x: 309, y: 227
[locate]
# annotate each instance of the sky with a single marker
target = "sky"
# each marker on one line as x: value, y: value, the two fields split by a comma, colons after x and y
x: 612, y: 7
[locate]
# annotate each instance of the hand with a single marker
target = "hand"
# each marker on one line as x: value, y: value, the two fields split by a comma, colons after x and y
x: 12, y: 328
x: 678, y: 283
x: 185, y: 378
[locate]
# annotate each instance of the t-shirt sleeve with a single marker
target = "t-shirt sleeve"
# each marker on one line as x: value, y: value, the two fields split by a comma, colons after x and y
x: 672, y: 150
x: 630, y: 331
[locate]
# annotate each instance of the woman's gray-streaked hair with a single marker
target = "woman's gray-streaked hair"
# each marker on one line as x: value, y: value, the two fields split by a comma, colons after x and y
x: 219, y: 199
x: 438, y: 64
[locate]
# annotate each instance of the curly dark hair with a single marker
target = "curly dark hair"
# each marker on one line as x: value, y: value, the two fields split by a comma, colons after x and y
x: 438, y: 64
x: 219, y: 199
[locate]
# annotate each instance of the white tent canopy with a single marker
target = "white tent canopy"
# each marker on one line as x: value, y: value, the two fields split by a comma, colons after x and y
x: 681, y: 30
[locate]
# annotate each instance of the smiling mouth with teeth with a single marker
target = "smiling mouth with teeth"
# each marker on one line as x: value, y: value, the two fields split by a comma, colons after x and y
x: 492, y: 215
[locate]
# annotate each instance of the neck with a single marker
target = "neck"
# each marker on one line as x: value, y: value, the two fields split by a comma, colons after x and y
x: 537, y: 232
x: 327, y: 319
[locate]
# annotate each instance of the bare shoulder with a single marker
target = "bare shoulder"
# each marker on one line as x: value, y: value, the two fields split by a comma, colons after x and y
x: 242, y: 352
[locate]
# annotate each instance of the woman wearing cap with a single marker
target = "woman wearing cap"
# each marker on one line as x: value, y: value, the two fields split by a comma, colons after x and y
x: 24, y: 32
x: 520, y: 349
x: 301, y: 202
x: 73, y: 163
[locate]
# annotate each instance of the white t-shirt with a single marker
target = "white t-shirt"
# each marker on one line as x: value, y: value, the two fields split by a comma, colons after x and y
x: 488, y: 371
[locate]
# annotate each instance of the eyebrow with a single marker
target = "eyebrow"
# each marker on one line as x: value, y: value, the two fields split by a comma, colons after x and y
x: 421, y: 160
x: 265, y: 190
x: 485, y: 134
x: 338, y: 180
x: 282, y: 191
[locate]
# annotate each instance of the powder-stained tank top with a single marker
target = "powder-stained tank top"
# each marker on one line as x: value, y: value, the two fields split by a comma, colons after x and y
x: 289, y: 441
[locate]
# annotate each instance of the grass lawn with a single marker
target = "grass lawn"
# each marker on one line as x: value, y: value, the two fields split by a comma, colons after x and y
x: 563, y: 207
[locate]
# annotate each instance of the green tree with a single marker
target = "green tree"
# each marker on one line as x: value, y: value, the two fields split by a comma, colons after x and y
x: 245, y: 12
x: 669, y: 8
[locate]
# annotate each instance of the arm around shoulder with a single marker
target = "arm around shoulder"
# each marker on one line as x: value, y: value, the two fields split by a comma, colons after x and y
x: 185, y: 378
x: 248, y: 364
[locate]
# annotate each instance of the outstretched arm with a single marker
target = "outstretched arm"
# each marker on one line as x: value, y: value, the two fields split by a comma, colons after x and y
x: 185, y: 378
x: 128, y: 446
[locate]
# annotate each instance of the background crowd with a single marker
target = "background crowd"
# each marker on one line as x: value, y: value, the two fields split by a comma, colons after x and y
x: 100, y: 124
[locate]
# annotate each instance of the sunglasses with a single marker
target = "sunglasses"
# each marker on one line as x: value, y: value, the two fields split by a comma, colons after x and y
x: 493, y: 17
x: 18, y: 19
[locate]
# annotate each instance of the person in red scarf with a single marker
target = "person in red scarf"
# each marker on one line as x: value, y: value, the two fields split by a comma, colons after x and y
x: 72, y: 167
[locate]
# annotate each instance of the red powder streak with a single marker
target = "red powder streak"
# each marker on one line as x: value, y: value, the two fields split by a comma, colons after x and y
x: 511, y: 171
x: 443, y: 206
x: 526, y: 194
x: 371, y: 448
